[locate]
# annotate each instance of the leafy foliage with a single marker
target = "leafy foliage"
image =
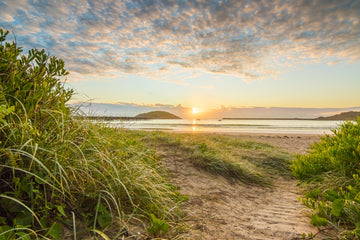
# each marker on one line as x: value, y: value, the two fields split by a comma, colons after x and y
x: 57, y: 171
x: 331, y: 171
x: 335, y: 153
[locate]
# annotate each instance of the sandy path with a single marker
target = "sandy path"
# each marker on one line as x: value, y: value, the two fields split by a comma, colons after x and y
x: 219, y: 209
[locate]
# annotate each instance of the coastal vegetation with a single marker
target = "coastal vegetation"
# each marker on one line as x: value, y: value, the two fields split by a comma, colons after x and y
x: 247, y: 161
x: 330, y: 172
x: 65, y: 177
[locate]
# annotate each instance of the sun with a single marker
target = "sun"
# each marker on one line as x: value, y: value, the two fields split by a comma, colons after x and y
x: 195, y: 110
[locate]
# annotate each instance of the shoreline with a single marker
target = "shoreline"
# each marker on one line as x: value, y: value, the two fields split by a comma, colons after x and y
x: 243, y: 127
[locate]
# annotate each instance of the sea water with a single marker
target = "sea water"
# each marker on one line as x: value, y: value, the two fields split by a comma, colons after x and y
x: 233, y: 125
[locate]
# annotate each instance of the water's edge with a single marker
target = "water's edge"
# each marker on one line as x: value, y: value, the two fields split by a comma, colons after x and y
x: 232, y: 126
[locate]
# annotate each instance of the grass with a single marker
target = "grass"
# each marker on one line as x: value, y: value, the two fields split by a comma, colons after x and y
x: 92, y: 168
x: 61, y: 174
x: 236, y: 159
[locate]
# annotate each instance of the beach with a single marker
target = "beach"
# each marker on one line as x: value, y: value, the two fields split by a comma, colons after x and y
x: 223, y: 209
x: 235, y: 126
x: 292, y: 143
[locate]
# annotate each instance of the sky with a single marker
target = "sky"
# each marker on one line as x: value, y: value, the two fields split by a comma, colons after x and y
x: 302, y: 57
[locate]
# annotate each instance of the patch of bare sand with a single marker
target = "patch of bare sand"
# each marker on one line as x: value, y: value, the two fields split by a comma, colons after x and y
x: 291, y: 143
x: 219, y: 209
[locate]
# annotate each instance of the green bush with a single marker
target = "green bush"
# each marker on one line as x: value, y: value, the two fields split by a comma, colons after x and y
x: 59, y: 174
x: 331, y: 173
x: 339, y: 152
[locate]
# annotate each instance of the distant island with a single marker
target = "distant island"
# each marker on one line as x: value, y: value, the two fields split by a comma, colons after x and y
x: 342, y: 116
x: 157, y: 115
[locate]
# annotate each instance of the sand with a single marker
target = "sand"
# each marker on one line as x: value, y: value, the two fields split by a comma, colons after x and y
x: 219, y: 209
x: 291, y: 143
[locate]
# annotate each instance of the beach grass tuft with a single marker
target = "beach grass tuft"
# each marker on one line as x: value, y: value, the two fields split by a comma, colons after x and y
x: 236, y: 159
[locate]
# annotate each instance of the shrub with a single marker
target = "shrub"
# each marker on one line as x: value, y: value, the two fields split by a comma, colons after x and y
x: 331, y: 171
x: 336, y: 153
x: 58, y: 173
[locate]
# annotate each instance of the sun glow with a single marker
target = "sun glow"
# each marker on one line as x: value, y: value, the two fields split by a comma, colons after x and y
x: 195, y: 110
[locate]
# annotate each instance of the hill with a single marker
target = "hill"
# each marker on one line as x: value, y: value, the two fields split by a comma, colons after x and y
x: 157, y: 115
x: 342, y: 116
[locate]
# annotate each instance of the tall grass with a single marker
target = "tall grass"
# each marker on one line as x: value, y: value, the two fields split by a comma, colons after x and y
x: 60, y: 175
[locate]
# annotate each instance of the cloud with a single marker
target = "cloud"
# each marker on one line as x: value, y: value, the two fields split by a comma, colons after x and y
x: 250, y: 39
x: 207, y: 87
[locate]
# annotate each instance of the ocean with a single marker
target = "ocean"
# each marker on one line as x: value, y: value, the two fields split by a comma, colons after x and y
x: 232, y: 125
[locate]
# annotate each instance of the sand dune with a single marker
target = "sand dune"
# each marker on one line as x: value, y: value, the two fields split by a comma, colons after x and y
x: 220, y: 209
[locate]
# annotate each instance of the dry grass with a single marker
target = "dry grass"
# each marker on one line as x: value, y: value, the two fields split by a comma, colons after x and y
x: 248, y: 161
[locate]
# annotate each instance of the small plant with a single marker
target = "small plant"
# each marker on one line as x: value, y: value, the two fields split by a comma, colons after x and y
x: 318, y: 221
x: 102, y: 215
x: 307, y: 236
x: 158, y: 226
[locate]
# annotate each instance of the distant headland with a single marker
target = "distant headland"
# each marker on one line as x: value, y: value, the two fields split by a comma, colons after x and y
x: 351, y: 115
x: 342, y: 116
